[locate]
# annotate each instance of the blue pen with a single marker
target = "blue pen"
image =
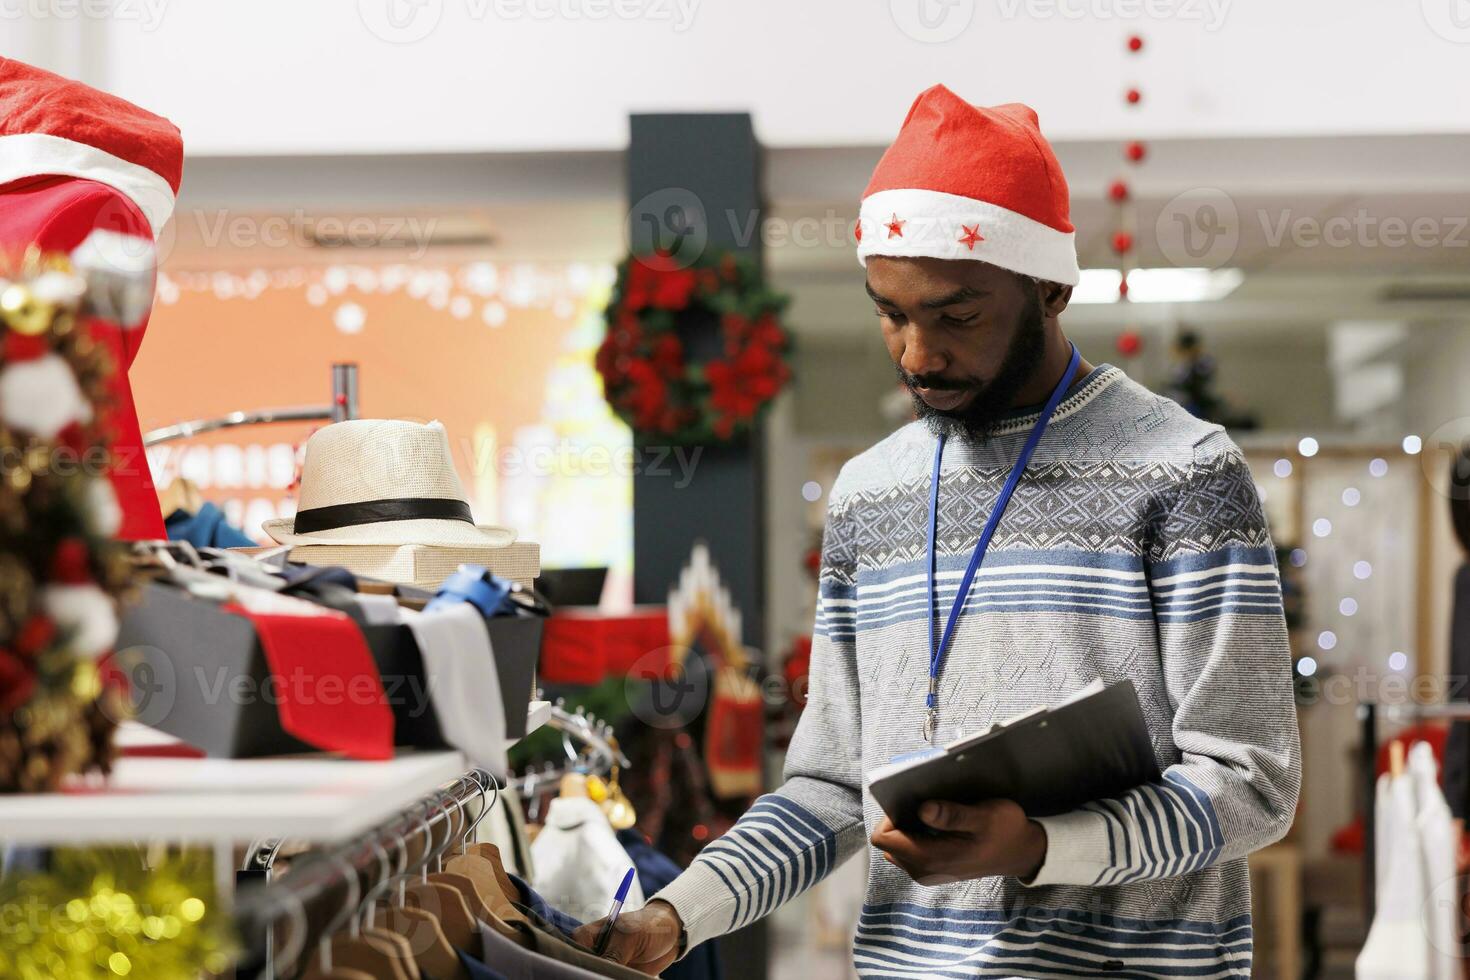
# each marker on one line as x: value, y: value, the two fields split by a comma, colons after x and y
x: 605, y: 933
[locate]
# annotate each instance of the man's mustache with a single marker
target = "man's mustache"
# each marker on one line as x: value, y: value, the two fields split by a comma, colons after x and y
x: 934, y: 382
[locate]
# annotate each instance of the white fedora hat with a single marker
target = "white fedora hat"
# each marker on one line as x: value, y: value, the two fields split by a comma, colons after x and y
x: 382, y: 482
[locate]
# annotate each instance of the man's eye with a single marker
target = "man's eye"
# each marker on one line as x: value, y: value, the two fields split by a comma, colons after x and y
x: 891, y: 317
x: 960, y: 321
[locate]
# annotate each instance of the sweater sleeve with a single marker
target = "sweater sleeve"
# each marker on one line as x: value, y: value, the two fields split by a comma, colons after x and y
x: 1227, y: 669
x: 792, y: 838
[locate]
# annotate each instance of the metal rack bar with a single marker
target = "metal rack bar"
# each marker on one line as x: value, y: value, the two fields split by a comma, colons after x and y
x: 343, y: 406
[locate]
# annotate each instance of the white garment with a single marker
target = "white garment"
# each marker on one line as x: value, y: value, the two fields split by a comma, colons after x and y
x: 463, y: 684
x: 1437, y: 845
x: 1413, y: 932
x: 579, y: 862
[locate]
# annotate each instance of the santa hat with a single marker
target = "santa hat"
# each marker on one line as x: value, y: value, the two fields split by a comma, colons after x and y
x: 969, y: 182
x: 52, y: 125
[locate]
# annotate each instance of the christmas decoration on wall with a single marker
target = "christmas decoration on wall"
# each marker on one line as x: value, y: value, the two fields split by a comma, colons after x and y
x: 98, y: 912
x: 60, y: 572
x: 702, y: 616
x: 660, y: 314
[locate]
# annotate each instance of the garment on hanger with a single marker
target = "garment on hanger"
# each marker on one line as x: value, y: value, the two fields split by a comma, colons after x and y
x: 478, y: 970
x: 206, y: 527
x: 1437, y: 843
x: 1413, y: 933
x: 579, y: 862
x: 463, y: 683
x: 515, y: 962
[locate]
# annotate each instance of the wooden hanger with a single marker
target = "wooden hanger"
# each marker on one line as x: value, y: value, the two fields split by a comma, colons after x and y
x: 449, y: 907
x: 352, y: 952
x: 432, y: 950
x: 490, y: 853
x: 486, y: 876
x: 397, y: 947
x: 479, y: 903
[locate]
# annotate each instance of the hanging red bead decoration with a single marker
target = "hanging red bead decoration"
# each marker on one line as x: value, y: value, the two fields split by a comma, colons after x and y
x: 1135, y: 43
x: 1122, y: 242
x: 1133, y: 96
x: 1135, y: 151
x: 1118, y: 191
x: 1129, y: 343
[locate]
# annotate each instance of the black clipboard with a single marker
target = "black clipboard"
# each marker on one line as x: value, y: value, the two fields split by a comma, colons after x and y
x: 1050, y: 761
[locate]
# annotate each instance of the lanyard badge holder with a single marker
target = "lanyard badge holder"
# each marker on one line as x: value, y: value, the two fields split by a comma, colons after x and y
x: 937, y: 649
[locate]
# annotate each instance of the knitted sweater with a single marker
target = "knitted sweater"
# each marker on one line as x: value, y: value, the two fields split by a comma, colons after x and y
x: 1135, y: 547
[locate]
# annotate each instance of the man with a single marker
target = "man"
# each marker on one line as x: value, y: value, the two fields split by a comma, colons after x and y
x: 1134, y: 547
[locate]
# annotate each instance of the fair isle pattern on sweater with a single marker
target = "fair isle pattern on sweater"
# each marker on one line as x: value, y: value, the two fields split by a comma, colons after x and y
x: 1134, y: 547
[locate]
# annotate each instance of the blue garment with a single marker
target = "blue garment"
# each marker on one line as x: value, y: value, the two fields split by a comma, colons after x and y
x: 476, y: 969
x: 206, y: 529
x: 531, y: 899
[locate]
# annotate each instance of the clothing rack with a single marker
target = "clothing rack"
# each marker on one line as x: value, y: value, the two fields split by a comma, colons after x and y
x: 375, y: 858
x: 342, y: 407
x: 599, y: 754
x: 1369, y: 714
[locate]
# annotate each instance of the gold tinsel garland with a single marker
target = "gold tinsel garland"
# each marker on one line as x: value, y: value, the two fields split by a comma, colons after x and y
x: 98, y: 912
x: 56, y: 719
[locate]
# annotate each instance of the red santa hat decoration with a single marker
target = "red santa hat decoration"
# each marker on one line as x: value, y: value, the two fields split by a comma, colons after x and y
x: 90, y: 176
x: 53, y: 125
x: 969, y: 182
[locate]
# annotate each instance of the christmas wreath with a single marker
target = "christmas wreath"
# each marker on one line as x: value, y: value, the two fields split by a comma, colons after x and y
x: 647, y: 378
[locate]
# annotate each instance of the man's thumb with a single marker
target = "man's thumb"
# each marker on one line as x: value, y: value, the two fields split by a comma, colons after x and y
x: 947, y: 816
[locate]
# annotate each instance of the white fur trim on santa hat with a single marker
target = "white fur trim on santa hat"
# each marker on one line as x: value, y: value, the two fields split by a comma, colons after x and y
x: 933, y: 224
x: 34, y: 154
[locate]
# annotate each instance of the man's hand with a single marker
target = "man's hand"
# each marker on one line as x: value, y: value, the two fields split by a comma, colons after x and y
x: 989, y: 838
x: 646, y: 940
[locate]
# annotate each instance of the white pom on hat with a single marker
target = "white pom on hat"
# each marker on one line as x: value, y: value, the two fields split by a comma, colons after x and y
x: 41, y: 396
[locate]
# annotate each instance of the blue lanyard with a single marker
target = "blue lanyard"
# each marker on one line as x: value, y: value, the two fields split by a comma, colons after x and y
x: 937, y: 650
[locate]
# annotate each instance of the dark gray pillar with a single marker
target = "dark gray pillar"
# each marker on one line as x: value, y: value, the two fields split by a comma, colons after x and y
x: 694, y: 187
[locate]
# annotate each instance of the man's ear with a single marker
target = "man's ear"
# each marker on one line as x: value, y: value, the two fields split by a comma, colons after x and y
x: 1054, y: 298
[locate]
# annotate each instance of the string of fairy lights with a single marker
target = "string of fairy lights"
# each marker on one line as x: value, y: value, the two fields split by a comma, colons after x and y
x: 1326, y: 639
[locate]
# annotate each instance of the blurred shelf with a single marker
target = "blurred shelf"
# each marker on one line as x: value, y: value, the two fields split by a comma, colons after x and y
x: 214, y: 800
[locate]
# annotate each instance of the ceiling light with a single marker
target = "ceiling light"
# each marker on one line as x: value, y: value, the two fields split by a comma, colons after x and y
x: 1164, y: 285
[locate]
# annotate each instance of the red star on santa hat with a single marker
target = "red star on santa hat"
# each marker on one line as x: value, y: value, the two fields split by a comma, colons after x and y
x: 895, y: 227
x: 971, y: 236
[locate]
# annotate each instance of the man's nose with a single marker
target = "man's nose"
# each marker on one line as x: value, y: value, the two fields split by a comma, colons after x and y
x: 920, y: 354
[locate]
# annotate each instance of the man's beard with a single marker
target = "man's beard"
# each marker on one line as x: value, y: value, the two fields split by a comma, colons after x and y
x: 992, y: 400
